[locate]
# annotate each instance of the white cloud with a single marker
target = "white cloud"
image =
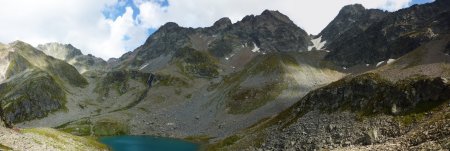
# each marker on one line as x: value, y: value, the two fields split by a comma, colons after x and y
x: 312, y: 15
x: 81, y: 22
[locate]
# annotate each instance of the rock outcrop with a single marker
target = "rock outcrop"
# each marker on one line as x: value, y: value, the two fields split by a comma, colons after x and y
x: 393, y: 36
x: 351, y: 21
x: 359, y: 111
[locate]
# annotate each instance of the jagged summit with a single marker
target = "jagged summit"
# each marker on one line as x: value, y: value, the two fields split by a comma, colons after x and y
x: 271, y: 31
x: 352, y: 9
x: 384, y: 35
x: 267, y: 17
x: 60, y: 51
x: 351, y: 20
x: 222, y: 23
x: 169, y: 25
x: 277, y: 15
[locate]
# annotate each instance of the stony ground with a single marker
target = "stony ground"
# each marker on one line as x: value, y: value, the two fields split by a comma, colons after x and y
x: 45, y: 139
x: 348, y: 131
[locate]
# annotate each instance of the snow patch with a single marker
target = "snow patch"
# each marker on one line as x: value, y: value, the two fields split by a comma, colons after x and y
x: 145, y: 65
x: 379, y: 63
x: 255, y: 48
x: 317, y: 43
x: 389, y: 61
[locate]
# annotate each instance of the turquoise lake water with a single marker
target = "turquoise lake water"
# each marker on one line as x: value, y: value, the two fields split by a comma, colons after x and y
x: 147, y: 143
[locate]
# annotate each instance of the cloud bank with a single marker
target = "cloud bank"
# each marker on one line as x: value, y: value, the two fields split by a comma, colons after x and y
x: 109, y: 28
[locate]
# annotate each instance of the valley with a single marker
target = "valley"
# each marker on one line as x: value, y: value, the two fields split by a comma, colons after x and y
x: 371, y: 80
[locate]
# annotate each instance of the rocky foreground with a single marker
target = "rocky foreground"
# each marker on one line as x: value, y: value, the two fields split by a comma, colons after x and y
x: 45, y: 139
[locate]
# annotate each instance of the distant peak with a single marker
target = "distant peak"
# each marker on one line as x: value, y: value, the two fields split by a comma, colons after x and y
x: 352, y: 8
x: 276, y: 14
x: 19, y: 43
x: 169, y: 25
x: 222, y: 23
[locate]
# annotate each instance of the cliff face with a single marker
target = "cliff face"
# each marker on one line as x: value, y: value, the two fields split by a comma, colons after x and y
x: 351, y: 21
x: 393, y: 36
x: 370, y: 94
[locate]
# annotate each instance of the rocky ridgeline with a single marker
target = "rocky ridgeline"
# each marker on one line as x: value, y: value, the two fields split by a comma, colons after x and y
x: 366, y: 110
x: 271, y: 32
x: 388, y: 37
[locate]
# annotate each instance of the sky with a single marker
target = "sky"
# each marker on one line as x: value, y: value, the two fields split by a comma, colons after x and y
x: 110, y: 28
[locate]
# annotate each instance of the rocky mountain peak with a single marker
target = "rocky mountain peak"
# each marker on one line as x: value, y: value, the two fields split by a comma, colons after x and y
x: 59, y: 50
x: 350, y: 21
x: 271, y: 31
x: 222, y: 23
x: 73, y: 56
x: 388, y: 37
x: 276, y: 15
x: 18, y: 43
x: 352, y: 9
x: 169, y: 26
x: 268, y: 16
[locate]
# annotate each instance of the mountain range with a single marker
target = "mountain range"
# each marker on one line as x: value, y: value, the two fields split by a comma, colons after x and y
x: 370, y: 80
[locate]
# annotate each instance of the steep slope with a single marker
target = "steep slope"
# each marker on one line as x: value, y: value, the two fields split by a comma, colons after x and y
x: 351, y: 21
x: 357, y: 111
x: 73, y: 56
x: 34, y: 83
x: 395, y: 35
x: 430, y: 59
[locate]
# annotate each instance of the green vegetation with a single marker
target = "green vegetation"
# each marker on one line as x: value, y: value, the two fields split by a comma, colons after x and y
x: 118, y: 81
x: 56, y: 68
x: 248, y: 99
x: 417, y: 113
x: 103, y: 127
x: 197, y: 63
x: 109, y: 128
x: 170, y: 80
x: 201, y: 139
x: 223, y: 143
x: 6, y: 148
x: 35, y: 91
x: 79, y: 128
x: 64, y: 139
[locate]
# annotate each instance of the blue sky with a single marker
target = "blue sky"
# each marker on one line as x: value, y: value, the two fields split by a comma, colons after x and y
x: 110, y: 28
x: 420, y: 1
x: 119, y: 10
